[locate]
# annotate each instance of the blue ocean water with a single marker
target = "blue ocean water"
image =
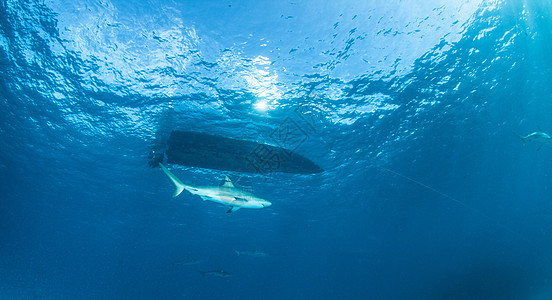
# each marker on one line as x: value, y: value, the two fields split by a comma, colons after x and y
x: 411, y: 107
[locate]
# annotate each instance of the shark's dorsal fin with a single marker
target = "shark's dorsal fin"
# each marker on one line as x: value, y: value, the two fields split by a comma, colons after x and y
x: 227, y: 182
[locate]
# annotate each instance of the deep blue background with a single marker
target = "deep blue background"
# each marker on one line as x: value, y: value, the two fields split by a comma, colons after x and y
x: 412, y: 107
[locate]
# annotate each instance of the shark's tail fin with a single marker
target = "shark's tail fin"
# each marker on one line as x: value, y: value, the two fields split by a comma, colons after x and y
x: 237, y: 252
x: 520, y: 137
x: 177, y: 183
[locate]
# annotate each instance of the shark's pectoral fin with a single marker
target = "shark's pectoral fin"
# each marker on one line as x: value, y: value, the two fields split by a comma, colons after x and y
x: 233, y: 209
x: 238, y: 202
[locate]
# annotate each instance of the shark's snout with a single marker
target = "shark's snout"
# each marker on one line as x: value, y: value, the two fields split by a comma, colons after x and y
x: 266, y: 204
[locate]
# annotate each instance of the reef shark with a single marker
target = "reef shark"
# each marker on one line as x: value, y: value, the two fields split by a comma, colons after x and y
x: 226, y: 194
x: 254, y: 253
x: 187, y: 261
x: 216, y: 273
x: 539, y: 137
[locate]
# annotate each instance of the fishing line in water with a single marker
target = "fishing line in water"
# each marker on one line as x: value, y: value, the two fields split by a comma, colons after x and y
x: 477, y: 211
x: 427, y: 187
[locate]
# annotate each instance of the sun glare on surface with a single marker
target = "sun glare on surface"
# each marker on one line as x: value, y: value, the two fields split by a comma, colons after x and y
x: 260, y: 106
x: 263, y: 83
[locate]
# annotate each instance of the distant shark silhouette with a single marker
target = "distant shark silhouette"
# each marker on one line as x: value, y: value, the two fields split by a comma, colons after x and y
x: 215, y: 273
x: 539, y: 137
x: 225, y: 194
x: 254, y: 253
x: 187, y: 261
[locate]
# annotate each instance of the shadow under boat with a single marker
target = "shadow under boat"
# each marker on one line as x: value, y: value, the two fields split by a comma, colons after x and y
x: 195, y: 149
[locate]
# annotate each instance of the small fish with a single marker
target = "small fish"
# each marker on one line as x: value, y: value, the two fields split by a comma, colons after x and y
x: 254, y: 253
x: 216, y: 273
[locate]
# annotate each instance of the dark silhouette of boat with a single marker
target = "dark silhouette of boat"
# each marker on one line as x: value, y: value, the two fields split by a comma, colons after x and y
x: 209, y: 151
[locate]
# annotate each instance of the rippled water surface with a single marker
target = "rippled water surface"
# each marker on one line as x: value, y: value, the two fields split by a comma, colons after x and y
x: 412, y: 108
